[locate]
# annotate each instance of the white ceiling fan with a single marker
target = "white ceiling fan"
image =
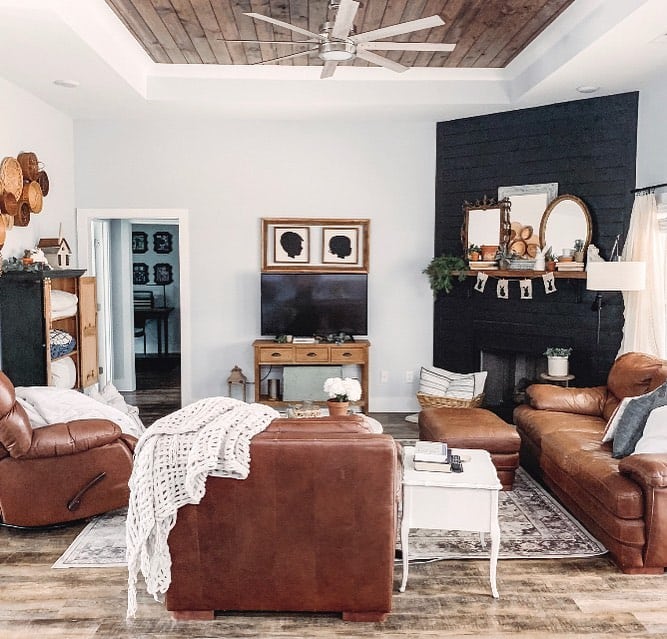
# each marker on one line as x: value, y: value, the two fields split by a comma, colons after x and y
x: 337, y: 41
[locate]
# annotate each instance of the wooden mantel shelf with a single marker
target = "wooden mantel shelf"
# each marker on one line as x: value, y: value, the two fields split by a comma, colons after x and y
x: 521, y: 273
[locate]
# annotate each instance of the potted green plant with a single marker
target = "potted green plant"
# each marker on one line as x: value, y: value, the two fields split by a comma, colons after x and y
x: 579, y: 251
x: 549, y: 260
x: 441, y: 272
x: 558, y: 360
x: 474, y: 253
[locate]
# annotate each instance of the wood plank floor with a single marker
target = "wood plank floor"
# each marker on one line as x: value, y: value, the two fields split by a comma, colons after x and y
x: 539, y: 599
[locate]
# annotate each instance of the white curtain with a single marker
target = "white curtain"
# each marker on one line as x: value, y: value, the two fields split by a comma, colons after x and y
x: 644, y: 328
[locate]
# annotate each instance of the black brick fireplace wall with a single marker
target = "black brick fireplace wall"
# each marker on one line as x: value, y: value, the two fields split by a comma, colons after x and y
x: 589, y: 148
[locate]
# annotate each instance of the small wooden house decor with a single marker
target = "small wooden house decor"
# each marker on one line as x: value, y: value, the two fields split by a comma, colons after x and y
x: 57, y: 251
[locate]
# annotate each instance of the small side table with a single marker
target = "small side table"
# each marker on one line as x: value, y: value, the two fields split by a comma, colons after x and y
x: 557, y: 379
x: 452, y: 501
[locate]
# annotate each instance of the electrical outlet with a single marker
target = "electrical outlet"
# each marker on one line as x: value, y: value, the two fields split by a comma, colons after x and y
x: 409, y: 377
x: 384, y: 377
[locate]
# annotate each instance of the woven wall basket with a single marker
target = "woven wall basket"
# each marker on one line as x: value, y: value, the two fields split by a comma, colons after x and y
x: 29, y: 165
x: 33, y: 193
x: 11, y: 177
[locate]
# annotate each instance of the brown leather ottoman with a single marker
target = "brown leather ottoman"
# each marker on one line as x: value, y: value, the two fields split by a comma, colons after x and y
x: 474, y: 428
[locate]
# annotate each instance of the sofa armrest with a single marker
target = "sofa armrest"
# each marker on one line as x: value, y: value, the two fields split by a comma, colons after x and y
x: 68, y: 438
x: 582, y: 401
x: 648, y: 469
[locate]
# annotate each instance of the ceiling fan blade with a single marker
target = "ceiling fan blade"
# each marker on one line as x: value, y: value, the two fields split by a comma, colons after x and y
x: 284, y: 25
x: 380, y: 61
x: 288, y: 42
x: 286, y: 57
x: 347, y: 10
x: 406, y: 46
x: 398, y: 29
x: 328, y: 69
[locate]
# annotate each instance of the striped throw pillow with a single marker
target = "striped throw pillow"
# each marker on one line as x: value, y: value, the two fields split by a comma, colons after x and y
x: 443, y: 383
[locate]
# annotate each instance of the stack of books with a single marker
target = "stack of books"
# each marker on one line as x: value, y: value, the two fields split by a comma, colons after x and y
x: 432, y: 456
x: 570, y: 266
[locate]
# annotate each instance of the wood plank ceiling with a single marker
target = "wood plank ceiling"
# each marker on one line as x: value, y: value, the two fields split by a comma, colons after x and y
x: 487, y: 33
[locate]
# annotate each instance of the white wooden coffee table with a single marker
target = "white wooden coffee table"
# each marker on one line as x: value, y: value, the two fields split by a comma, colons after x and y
x: 452, y: 501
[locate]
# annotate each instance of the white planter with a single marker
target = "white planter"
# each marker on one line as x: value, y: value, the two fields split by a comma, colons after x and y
x: 558, y: 366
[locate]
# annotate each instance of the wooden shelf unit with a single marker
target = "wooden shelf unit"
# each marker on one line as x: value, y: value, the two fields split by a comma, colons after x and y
x: 270, y: 353
x: 26, y: 323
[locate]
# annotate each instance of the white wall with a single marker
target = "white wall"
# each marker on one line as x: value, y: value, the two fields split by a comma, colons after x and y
x: 652, y: 134
x: 28, y: 124
x: 231, y: 174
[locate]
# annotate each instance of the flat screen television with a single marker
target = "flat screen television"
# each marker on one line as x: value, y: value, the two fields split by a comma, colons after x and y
x: 307, y: 304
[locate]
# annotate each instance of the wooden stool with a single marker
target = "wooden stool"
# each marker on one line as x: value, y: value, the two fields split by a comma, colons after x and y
x: 474, y: 428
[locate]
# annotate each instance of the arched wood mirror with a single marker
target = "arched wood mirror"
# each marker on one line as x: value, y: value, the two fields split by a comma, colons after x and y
x: 565, y: 221
x: 485, y: 223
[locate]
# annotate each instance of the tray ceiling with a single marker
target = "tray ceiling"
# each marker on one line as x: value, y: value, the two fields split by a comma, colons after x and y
x: 487, y: 33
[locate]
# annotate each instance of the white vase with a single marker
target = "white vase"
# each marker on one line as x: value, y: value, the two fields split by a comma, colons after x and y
x: 558, y: 366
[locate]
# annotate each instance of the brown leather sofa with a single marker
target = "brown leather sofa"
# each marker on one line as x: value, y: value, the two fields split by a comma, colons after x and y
x: 622, y: 502
x: 61, y: 472
x: 312, y: 528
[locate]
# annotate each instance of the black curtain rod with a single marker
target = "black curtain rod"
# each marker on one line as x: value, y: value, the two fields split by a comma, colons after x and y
x: 649, y: 188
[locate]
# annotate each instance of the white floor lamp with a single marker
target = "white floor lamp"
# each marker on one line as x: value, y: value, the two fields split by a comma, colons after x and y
x: 613, y: 276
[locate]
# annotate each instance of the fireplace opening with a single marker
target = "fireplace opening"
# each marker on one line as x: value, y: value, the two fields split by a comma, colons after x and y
x: 509, y: 374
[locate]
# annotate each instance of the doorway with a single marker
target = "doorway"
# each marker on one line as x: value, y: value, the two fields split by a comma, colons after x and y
x: 118, y: 365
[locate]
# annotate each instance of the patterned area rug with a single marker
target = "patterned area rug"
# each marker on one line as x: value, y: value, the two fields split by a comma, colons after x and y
x: 532, y: 526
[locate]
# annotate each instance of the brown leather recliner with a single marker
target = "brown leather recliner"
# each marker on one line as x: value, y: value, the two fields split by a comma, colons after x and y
x: 623, y: 502
x: 312, y: 528
x: 61, y: 472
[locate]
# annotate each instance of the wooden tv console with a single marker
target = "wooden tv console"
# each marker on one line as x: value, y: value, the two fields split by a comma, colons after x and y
x: 270, y: 353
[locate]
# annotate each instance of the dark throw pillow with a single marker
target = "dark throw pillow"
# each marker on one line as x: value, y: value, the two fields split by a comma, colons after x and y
x: 630, y: 426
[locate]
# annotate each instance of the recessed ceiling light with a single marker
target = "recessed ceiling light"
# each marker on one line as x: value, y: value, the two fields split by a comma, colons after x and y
x: 68, y: 84
x: 586, y: 88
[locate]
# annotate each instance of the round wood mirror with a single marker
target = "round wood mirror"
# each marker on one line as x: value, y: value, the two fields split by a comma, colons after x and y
x: 565, y: 221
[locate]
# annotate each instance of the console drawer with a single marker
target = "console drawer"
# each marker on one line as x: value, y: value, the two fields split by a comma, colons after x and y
x: 348, y: 354
x: 273, y: 354
x: 312, y: 353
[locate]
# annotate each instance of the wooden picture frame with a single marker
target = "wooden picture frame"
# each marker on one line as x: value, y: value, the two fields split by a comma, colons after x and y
x: 350, y: 250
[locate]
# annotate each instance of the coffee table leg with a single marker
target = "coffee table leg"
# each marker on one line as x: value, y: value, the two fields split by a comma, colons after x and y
x: 405, y: 533
x: 495, y: 542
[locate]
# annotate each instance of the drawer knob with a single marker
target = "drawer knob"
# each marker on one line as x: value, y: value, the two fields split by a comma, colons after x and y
x: 275, y: 354
x: 311, y: 354
x: 347, y: 354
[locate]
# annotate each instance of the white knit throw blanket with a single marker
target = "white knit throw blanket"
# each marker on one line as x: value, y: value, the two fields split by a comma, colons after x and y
x: 172, y: 460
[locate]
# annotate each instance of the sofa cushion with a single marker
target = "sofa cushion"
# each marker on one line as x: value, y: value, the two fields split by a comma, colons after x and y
x: 588, y: 462
x: 535, y: 424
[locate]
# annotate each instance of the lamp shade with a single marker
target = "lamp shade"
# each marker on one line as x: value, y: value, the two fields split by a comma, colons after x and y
x: 616, y: 276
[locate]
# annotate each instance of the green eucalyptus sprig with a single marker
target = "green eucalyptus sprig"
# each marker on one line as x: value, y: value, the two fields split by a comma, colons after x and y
x: 441, y: 272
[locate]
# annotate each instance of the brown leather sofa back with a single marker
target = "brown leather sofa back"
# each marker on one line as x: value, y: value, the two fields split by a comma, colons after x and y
x: 633, y: 374
x: 312, y: 528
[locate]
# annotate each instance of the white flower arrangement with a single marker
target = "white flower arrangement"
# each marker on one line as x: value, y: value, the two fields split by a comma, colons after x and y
x: 343, y: 390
